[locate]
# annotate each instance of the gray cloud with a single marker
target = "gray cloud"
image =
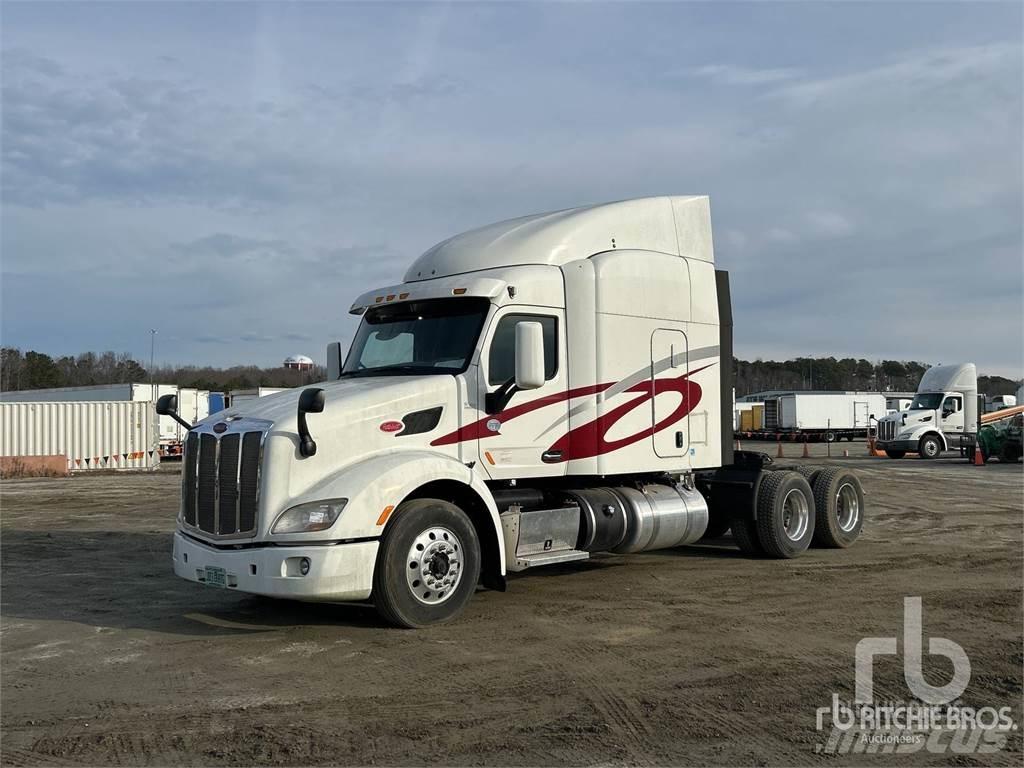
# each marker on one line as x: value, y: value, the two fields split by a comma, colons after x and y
x: 726, y: 74
x: 262, y: 172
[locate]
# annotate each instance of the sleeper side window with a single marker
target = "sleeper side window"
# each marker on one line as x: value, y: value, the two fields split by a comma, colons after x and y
x: 501, y: 363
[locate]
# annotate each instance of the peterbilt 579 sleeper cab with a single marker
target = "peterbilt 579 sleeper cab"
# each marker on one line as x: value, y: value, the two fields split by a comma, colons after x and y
x: 534, y: 391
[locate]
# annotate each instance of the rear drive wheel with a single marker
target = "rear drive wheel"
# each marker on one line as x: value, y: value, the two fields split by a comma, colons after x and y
x: 839, y: 508
x: 744, y: 533
x: 809, y: 473
x: 428, y: 564
x: 785, y: 514
x: 929, y: 447
x: 892, y: 453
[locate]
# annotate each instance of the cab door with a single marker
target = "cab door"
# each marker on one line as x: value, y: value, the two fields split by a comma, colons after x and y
x: 669, y: 354
x: 952, y: 415
x: 516, y: 442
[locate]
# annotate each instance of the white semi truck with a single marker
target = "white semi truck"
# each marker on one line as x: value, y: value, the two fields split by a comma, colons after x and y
x: 533, y: 392
x: 942, y: 416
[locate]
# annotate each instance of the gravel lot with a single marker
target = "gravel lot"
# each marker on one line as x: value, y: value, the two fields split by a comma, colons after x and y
x: 692, y: 656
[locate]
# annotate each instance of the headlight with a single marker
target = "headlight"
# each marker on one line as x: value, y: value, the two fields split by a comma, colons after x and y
x: 313, y: 516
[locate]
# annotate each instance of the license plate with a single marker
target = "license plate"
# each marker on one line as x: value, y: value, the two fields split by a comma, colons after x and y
x: 216, y: 577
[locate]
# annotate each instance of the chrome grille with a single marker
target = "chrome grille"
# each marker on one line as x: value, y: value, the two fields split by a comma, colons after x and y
x: 220, y: 482
x: 886, y: 430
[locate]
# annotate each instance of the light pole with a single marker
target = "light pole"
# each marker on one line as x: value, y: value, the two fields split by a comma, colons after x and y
x: 152, y: 348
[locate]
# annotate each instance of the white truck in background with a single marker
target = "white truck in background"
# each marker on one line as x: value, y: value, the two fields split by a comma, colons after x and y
x: 999, y: 402
x: 942, y: 416
x: 238, y: 397
x: 533, y: 392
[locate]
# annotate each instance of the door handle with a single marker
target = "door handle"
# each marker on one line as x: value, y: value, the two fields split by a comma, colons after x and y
x: 550, y: 457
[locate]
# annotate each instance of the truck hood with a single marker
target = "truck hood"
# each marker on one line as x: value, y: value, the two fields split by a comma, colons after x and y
x: 912, y: 417
x: 362, y: 400
x: 363, y: 418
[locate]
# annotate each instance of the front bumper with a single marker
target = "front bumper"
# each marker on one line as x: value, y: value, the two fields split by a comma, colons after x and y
x: 897, y: 445
x: 337, y: 572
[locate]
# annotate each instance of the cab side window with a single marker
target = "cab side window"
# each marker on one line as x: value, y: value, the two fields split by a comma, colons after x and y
x: 951, y: 406
x: 501, y: 362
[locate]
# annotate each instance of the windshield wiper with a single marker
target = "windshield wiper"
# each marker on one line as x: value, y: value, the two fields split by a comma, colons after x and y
x: 394, y: 370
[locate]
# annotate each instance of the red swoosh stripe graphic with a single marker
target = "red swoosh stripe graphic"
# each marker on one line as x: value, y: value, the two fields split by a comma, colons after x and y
x: 588, y: 439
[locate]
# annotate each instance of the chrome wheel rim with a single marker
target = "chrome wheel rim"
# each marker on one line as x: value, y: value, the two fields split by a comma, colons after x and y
x: 847, y: 507
x: 931, y: 448
x: 795, y: 515
x: 433, y: 568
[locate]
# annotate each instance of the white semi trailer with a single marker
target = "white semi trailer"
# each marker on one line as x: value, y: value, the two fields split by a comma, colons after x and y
x: 942, y: 416
x: 533, y: 392
x: 827, y: 416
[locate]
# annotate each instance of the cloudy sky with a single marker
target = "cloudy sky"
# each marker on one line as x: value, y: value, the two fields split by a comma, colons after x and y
x: 233, y: 175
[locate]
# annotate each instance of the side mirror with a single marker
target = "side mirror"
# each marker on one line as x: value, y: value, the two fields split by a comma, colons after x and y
x: 529, y: 355
x: 310, y: 401
x: 333, y: 361
x: 167, y: 405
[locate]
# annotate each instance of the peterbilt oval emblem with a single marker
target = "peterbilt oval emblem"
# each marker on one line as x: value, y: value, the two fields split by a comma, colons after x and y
x: 220, y: 427
x: 391, y: 426
x: 493, y: 425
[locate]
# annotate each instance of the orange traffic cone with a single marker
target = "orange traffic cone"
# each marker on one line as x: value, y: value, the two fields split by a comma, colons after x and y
x: 806, y: 454
x: 778, y: 453
x: 979, y: 459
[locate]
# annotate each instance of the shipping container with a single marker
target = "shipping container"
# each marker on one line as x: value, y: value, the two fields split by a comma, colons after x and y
x: 757, y: 414
x: 92, y: 435
x: 192, y: 403
x: 747, y: 420
x: 738, y: 410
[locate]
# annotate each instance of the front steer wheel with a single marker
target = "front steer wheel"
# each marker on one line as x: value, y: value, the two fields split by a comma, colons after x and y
x: 929, y: 447
x: 785, y: 514
x: 428, y: 564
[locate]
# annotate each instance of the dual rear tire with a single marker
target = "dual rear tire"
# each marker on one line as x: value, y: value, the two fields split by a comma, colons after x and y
x: 795, y: 509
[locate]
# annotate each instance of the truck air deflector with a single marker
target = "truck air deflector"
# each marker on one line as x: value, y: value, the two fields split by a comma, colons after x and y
x: 725, y: 374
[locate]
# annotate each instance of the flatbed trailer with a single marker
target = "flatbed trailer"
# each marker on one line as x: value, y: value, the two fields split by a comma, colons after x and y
x: 810, y: 435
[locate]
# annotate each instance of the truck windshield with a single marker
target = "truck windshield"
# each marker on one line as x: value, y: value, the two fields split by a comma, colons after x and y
x: 417, y: 337
x: 927, y: 402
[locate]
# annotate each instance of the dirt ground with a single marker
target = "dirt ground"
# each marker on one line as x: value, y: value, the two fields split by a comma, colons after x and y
x: 693, y: 656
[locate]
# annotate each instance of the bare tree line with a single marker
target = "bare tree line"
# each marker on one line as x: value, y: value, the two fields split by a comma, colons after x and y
x: 36, y: 370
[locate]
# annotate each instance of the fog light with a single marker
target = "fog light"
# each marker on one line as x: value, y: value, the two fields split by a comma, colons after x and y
x: 304, y: 566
